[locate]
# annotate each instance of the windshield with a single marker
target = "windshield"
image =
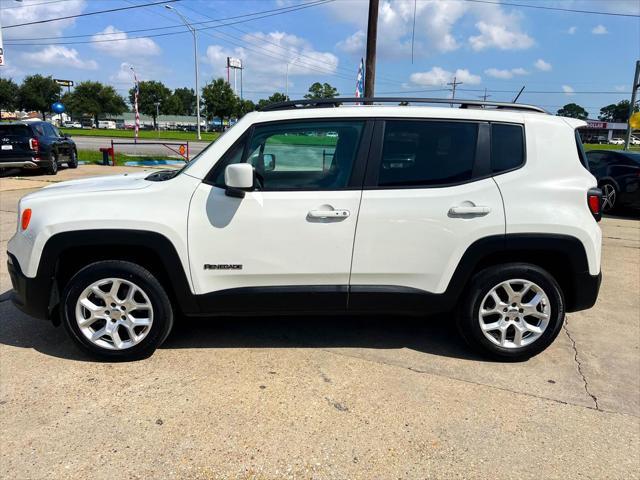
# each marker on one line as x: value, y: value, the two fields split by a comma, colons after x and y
x: 633, y: 156
x: 194, y: 159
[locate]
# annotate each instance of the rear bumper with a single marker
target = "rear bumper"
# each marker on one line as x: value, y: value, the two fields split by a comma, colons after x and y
x: 31, y: 295
x: 585, y: 292
x: 21, y: 162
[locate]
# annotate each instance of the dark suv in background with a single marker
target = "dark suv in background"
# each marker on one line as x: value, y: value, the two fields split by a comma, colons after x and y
x: 35, y: 145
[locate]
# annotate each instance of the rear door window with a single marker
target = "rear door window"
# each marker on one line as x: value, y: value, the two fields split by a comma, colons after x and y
x: 427, y: 153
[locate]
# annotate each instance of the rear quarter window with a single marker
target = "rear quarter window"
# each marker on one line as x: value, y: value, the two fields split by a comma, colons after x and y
x: 507, y: 147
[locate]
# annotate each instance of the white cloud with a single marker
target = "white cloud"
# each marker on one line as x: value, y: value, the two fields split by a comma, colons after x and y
x: 620, y: 88
x: 540, y: 64
x: 438, y: 76
x: 505, y: 74
x: 499, y: 36
x: 266, y: 70
x: 59, y: 56
x: 569, y: 91
x: 354, y: 44
x: 599, y: 30
x: 33, y: 10
x: 124, y: 47
x: 572, y: 30
x: 436, y: 23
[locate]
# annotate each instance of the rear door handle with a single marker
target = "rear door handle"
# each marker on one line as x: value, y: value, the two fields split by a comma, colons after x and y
x: 328, y: 213
x: 475, y: 210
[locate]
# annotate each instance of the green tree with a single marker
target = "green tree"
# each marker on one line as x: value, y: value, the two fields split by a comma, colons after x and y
x: 616, y: 112
x: 219, y: 99
x: 151, y: 92
x: 8, y: 94
x: 95, y: 99
x: 187, y: 101
x: 37, y: 93
x: 322, y: 90
x: 275, y: 98
x: 573, y: 110
x: 243, y: 107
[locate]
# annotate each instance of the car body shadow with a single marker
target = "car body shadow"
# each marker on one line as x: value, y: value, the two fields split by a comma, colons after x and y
x: 433, y: 335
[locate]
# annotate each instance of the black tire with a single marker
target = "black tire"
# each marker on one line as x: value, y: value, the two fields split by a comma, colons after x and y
x: 482, y: 283
x: 162, y: 310
x: 52, y: 167
x: 609, y: 196
x: 73, y: 161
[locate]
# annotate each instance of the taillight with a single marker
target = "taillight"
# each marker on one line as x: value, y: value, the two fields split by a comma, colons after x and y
x: 34, y: 144
x: 26, y: 218
x: 594, y: 201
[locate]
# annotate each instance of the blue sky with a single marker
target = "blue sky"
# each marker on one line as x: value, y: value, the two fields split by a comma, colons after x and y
x: 558, y: 55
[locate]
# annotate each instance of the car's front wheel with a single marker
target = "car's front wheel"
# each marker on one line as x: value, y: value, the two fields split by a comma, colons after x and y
x: 116, y: 310
x: 512, y: 311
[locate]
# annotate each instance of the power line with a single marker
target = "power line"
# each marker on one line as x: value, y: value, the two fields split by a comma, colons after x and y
x: 97, y: 12
x: 272, y: 12
x: 558, y: 9
x: 34, y: 4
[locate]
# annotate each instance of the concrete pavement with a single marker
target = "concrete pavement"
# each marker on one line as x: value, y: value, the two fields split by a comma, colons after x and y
x: 327, y: 397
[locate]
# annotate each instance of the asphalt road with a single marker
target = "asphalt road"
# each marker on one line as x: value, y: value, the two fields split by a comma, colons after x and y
x: 142, y: 148
x: 326, y: 397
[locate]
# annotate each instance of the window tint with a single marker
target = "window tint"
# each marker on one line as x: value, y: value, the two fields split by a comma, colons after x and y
x: 18, y: 130
x: 305, y: 155
x: 39, y: 130
x: 507, y: 147
x: 48, y: 130
x: 426, y: 153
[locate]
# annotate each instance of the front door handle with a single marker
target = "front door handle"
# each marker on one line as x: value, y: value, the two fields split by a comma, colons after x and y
x: 471, y: 210
x: 327, y: 214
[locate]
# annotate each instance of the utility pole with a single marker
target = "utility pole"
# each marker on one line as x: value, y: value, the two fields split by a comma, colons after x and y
x: 634, y: 91
x: 372, y: 37
x: 454, y: 84
x: 485, y: 96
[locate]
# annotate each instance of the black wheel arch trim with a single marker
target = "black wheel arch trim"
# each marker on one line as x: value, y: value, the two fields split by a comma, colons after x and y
x: 156, y: 244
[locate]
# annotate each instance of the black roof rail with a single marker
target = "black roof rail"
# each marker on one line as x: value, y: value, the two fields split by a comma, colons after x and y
x: 335, y: 102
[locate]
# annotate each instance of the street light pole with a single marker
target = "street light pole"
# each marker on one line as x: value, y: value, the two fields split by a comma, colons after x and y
x: 195, y: 59
x: 286, y: 78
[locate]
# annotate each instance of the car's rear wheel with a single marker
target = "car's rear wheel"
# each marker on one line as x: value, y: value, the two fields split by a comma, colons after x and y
x: 116, y: 310
x: 609, y: 197
x: 512, y: 312
x: 52, y: 167
x: 73, y: 160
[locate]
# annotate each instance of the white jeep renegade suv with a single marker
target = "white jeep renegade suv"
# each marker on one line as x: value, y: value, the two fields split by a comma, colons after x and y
x: 487, y: 210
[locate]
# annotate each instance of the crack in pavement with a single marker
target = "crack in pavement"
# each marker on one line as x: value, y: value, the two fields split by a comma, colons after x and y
x: 565, y: 326
x: 504, y: 389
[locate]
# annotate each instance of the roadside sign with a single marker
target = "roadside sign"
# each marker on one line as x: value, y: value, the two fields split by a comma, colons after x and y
x: 63, y: 83
x: 182, y: 150
x: 634, y: 121
x: 234, y: 62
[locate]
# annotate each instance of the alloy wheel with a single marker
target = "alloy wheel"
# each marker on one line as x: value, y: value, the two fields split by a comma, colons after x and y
x: 608, y: 197
x: 114, y: 313
x: 514, y: 314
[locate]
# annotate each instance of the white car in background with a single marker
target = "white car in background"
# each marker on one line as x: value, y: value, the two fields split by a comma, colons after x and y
x: 616, y: 141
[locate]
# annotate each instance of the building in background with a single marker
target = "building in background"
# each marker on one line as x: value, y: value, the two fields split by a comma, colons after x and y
x: 598, y: 131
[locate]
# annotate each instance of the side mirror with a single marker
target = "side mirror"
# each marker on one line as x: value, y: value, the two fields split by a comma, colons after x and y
x: 269, y: 162
x: 238, y: 177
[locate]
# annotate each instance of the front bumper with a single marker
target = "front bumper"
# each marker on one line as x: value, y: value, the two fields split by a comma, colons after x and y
x: 34, y: 296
